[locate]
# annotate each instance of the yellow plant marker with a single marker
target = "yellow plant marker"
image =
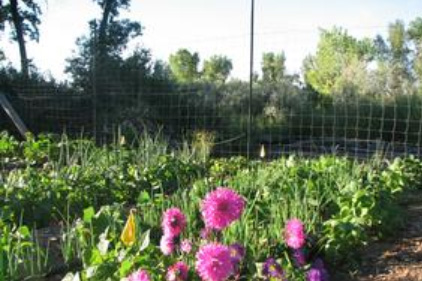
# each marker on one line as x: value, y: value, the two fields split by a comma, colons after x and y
x: 129, y: 231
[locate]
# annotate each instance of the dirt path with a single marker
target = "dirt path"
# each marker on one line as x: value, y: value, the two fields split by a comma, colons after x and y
x: 398, y: 259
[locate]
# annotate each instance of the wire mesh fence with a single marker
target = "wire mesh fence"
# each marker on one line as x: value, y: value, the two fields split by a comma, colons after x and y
x: 282, y: 122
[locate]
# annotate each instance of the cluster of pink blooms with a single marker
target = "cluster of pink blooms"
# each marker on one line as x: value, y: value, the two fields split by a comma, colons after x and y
x: 295, y: 237
x: 173, y: 224
x: 214, y: 261
x: 218, y: 262
x: 219, y: 209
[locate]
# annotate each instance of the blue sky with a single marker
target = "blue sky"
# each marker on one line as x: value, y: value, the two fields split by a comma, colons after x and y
x: 217, y: 27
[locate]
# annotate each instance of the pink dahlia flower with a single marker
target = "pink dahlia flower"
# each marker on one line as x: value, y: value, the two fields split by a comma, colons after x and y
x: 177, y: 272
x: 174, y: 222
x: 221, y: 207
x: 167, y: 245
x: 140, y: 275
x: 186, y: 246
x: 295, y: 234
x: 213, y: 262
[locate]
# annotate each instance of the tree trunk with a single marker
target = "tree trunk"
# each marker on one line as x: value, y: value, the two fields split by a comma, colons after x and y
x: 17, y: 22
x: 102, y: 31
x: 100, y: 67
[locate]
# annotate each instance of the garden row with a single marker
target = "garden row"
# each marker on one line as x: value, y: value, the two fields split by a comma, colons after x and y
x: 148, y: 211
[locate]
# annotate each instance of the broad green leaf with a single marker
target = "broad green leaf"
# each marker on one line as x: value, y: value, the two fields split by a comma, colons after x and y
x: 125, y: 268
x: 144, y: 197
x: 88, y: 214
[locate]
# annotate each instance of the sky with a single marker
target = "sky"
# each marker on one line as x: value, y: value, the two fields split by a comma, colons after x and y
x: 215, y: 27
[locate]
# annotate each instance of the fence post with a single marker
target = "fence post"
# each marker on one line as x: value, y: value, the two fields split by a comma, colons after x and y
x: 248, y: 145
x: 94, y: 83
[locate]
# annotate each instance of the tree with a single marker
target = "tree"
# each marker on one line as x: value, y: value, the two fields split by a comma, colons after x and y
x: 81, y: 65
x: 398, y: 44
x: 273, y: 67
x: 415, y: 35
x: 381, y: 49
x: 415, y: 29
x: 99, y: 53
x: 161, y: 72
x: 24, y: 18
x: 3, y: 13
x: 113, y: 34
x: 217, y: 69
x: 184, y: 66
x: 110, y: 11
x: 397, y: 66
x: 336, y: 50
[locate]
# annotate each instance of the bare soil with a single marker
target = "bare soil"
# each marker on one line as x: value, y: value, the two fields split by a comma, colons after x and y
x: 398, y: 258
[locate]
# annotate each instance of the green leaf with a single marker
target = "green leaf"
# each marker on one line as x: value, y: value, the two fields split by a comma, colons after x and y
x: 95, y: 258
x: 125, y: 268
x: 88, y: 214
x: 144, y: 197
x: 24, y: 231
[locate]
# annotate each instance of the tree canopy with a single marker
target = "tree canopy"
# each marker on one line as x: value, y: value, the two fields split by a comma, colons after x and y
x: 273, y: 67
x: 336, y: 50
x: 217, y: 69
x: 24, y: 18
x: 100, y: 52
x: 184, y: 66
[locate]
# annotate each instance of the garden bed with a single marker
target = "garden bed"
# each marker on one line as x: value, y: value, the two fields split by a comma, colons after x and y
x: 76, y: 198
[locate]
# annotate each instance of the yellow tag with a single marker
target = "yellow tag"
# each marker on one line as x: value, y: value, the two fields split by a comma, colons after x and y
x: 128, y: 233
